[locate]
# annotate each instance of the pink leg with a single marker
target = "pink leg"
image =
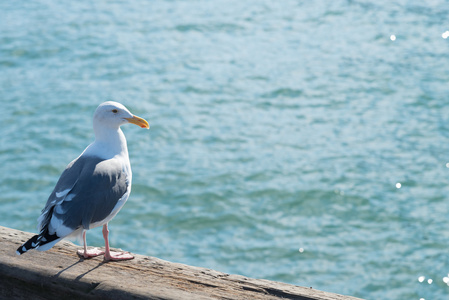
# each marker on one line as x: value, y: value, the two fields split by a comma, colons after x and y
x: 89, y: 253
x: 108, y: 255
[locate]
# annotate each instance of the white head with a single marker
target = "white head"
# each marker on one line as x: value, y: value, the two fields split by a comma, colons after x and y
x: 111, y: 115
x: 109, y: 139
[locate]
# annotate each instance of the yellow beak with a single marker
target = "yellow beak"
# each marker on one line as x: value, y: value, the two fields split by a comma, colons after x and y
x: 139, y: 122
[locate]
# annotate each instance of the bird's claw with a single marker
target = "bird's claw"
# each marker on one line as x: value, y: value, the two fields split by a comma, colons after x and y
x: 117, y: 256
x: 90, y: 253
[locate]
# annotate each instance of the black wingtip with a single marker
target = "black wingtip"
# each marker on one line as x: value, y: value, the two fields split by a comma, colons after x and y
x: 28, y: 245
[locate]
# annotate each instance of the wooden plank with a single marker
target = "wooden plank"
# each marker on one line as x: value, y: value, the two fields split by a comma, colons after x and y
x: 59, y: 271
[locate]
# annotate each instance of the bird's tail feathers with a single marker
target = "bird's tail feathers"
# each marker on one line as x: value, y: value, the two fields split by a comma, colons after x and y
x: 41, y: 242
x: 30, y: 244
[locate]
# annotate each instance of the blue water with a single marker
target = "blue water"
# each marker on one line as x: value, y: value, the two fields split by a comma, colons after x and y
x: 280, y: 132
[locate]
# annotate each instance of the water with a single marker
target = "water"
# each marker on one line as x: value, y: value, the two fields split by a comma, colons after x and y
x: 275, y: 126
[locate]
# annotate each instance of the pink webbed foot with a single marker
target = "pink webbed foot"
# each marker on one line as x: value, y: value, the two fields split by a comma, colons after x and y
x: 117, y: 256
x: 90, y: 253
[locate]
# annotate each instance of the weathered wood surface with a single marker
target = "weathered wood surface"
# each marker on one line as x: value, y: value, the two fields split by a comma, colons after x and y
x: 60, y: 274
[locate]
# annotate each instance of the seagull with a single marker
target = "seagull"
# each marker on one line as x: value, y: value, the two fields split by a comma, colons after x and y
x: 93, y: 187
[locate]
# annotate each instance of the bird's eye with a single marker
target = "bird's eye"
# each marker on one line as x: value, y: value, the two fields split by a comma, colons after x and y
x: 115, y: 111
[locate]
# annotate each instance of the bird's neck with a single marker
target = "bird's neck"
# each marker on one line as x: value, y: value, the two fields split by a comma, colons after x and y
x: 109, y: 142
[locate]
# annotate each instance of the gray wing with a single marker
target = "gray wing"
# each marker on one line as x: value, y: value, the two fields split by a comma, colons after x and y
x: 87, y: 192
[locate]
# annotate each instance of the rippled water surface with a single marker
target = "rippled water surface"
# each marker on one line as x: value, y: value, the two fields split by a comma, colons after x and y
x: 279, y: 132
